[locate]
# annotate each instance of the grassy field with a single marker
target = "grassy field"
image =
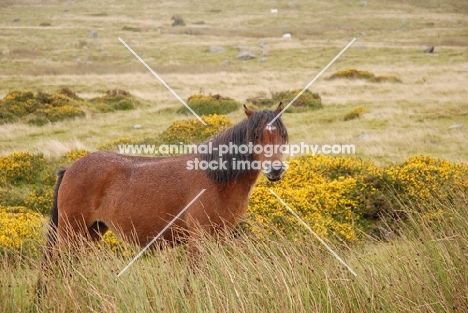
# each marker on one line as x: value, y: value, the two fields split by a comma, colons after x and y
x: 422, y: 268
x: 403, y: 119
x: 49, y: 44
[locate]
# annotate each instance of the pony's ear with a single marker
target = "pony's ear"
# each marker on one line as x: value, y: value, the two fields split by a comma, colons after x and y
x: 247, y: 111
x: 279, y: 108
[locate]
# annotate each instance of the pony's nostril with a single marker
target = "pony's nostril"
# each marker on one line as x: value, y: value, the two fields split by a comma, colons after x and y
x: 277, y: 172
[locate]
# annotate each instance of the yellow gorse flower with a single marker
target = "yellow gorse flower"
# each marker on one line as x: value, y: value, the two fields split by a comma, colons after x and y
x: 334, y: 195
x: 20, y: 167
x: 192, y: 131
x: 21, y: 230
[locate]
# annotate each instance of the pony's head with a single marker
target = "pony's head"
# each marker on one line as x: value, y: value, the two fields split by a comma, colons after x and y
x: 248, y: 147
x: 267, y: 140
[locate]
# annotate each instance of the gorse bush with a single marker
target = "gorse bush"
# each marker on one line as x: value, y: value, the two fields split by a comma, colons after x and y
x: 112, y: 242
x: 307, y: 100
x: 21, y: 231
x: 424, y: 177
x: 26, y: 180
x: 73, y: 155
x: 339, y: 196
x: 193, y: 131
x: 329, y: 193
x: 38, y: 108
x: 40, y: 200
x: 42, y: 108
x: 186, y: 131
x: 20, y: 167
x: 212, y: 104
x: 354, y: 113
x: 352, y: 73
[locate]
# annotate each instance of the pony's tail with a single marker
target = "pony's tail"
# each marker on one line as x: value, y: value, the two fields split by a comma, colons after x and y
x: 53, y: 224
x: 41, y: 285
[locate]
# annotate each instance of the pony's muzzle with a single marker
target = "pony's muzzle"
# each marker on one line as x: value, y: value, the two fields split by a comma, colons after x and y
x: 274, y: 173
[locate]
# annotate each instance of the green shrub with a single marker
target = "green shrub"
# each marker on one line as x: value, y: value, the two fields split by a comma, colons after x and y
x: 261, y: 100
x: 114, y: 100
x: 38, y: 120
x: 352, y: 73
x: 212, y: 104
x: 12, y: 195
x: 307, y: 100
x: 193, y: 131
x: 6, y: 117
x: 354, y: 113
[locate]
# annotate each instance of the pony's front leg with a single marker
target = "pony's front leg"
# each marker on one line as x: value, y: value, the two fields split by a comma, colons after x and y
x: 194, y: 252
x: 194, y: 256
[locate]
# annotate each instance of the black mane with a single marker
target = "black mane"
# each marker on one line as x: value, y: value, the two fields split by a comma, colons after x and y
x: 248, y: 130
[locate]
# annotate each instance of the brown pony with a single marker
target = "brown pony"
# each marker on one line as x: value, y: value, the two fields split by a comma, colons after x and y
x: 136, y: 197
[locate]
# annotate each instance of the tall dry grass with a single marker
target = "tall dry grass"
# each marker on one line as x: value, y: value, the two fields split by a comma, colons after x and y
x: 420, y: 267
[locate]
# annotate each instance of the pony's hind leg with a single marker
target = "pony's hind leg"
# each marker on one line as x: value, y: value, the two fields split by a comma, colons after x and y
x: 72, y: 231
